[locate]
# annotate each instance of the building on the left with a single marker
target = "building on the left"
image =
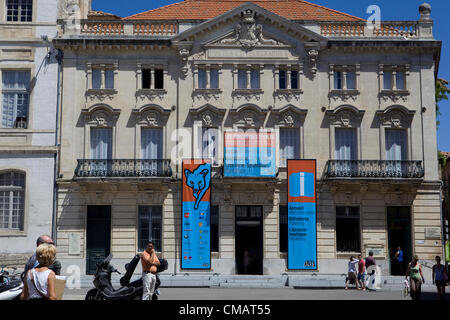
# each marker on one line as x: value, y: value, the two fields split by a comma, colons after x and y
x: 28, y: 128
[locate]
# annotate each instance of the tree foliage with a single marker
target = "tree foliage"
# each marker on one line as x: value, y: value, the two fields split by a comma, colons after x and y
x: 442, y: 92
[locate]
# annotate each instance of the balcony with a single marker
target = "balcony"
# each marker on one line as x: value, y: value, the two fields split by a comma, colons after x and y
x: 123, y: 168
x: 374, y: 169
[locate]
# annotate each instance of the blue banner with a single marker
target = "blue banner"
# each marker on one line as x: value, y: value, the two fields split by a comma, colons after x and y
x: 302, y: 230
x: 195, y: 243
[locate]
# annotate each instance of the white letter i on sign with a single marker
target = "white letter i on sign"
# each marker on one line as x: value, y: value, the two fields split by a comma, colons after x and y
x: 302, y: 184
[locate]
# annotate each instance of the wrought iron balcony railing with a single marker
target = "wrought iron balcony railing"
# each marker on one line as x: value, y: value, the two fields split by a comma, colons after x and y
x: 374, y: 169
x: 131, y: 168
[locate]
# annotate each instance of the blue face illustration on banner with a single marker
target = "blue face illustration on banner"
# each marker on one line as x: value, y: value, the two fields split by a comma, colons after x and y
x: 196, y: 218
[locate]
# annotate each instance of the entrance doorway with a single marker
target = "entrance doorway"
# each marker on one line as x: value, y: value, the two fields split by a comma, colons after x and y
x: 399, y: 235
x: 98, y: 236
x: 249, y: 240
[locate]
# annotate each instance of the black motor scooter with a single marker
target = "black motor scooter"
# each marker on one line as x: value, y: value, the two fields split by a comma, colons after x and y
x: 129, y: 291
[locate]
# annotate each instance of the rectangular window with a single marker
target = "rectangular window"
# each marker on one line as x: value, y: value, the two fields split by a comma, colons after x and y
x: 387, y: 80
x: 283, y: 219
x: 214, y: 228
x: 210, y: 144
x: 289, y: 145
x: 150, y: 227
x: 345, y: 140
x: 338, y: 80
x: 282, y: 79
x: 294, y: 80
x: 351, y: 80
x: 19, y: 10
x: 101, y: 143
x: 152, y: 143
x: 15, y: 91
x: 202, y: 78
x: 396, y: 145
x: 12, y: 200
x: 96, y: 78
x: 400, y: 80
x: 159, y: 79
x: 242, y: 79
x: 348, y: 229
x: 254, y: 79
x: 146, y: 78
x: 214, y: 75
x: 109, y: 79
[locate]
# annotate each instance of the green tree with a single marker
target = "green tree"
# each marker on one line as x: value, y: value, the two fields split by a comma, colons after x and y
x: 441, y: 94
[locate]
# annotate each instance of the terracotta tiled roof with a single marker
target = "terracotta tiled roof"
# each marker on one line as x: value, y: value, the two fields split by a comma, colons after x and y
x: 93, y: 14
x: 446, y: 154
x: 208, y: 9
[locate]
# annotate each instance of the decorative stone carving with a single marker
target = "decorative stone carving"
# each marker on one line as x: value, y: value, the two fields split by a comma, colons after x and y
x: 101, y: 116
x: 247, y: 94
x: 248, y: 116
x: 288, y: 94
x: 209, y: 115
x: 100, y: 95
x: 184, y: 55
x: 344, y: 95
x: 152, y: 116
x: 345, y: 116
x: 207, y: 94
x: 394, y: 95
x: 248, y: 34
x: 289, y: 116
x: 396, y: 117
x: 150, y: 94
x: 313, y: 55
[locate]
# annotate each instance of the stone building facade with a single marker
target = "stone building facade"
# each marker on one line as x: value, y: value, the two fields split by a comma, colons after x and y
x: 28, y: 85
x: 144, y: 92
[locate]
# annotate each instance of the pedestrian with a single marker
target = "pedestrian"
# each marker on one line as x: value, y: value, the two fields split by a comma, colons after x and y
x: 399, y: 261
x: 33, y: 263
x: 440, y: 278
x: 40, y: 281
x: 150, y: 262
x: 416, y: 278
x: 361, y: 273
x: 370, y: 260
x: 352, y: 273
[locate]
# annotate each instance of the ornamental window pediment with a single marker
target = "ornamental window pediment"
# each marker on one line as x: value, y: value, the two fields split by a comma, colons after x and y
x: 101, y: 115
x: 208, y: 115
x: 396, y: 117
x: 248, y: 116
x: 152, y: 116
x: 345, y: 116
x: 289, y: 116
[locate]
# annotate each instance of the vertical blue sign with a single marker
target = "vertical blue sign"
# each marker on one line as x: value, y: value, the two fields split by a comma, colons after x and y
x: 302, y: 233
x: 195, y: 243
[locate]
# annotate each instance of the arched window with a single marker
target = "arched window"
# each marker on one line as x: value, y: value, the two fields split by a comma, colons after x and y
x: 12, y: 200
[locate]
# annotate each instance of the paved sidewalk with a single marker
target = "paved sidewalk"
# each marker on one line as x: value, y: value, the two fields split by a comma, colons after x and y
x: 269, y: 294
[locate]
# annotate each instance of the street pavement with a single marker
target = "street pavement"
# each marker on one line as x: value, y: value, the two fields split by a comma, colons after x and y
x: 269, y: 294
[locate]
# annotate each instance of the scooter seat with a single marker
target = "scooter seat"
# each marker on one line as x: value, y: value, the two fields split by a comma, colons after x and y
x: 121, y: 293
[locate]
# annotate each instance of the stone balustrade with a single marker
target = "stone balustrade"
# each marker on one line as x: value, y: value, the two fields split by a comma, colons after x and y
x: 133, y: 28
x: 386, y: 29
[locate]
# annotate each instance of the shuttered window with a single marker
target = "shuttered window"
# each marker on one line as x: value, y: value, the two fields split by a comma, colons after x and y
x: 345, y: 144
x: 289, y: 145
x: 101, y: 143
x: 396, y: 145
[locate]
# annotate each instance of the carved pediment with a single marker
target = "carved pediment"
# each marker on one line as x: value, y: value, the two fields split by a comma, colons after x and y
x: 289, y: 116
x: 101, y: 115
x: 396, y: 116
x: 345, y: 116
x: 151, y: 116
x: 250, y: 116
x: 209, y: 115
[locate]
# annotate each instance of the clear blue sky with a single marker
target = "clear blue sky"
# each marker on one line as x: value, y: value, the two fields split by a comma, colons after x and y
x: 390, y: 10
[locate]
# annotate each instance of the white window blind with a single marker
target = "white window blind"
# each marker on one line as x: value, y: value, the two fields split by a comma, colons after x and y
x: 289, y: 145
x: 210, y: 144
x: 152, y: 143
x: 15, y: 91
x: 101, y: 143
x: 396, y: 145
x: 345, y: 144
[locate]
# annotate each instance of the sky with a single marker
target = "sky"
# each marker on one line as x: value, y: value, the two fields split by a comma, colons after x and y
x: 394, y: 10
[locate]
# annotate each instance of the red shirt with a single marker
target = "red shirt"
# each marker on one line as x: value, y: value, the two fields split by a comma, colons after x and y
x: 361, y: 266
